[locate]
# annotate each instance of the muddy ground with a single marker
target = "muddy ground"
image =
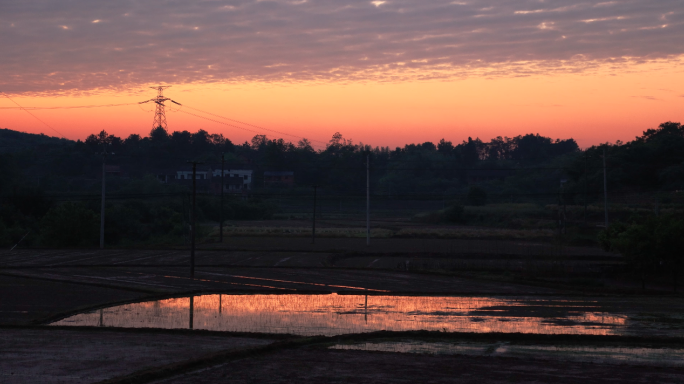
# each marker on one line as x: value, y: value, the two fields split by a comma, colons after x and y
x: 76, y: 356
x: 93, y: 355
x: 399, y: 245
x: 24, y: 300
x: 333, y: 366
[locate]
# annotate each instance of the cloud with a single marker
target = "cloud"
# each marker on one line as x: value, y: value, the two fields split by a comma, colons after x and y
x: 650, y: 98
x: 85, y: 45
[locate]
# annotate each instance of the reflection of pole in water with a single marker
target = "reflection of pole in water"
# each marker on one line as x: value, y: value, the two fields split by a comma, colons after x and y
x: 192, y: 309
x: 365, y: 314
x: 157, y: 309
x: 101, y: 321
x: 220, y: 304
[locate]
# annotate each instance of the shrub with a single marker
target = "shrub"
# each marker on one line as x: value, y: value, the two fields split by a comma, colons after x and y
x: 654, y: 243
x: 476, y: 196
x: 4, y: 235
x: 454, y: 214
x: 70, y: 224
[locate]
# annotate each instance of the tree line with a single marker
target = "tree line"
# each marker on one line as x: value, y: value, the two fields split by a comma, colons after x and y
x: 33, y: 168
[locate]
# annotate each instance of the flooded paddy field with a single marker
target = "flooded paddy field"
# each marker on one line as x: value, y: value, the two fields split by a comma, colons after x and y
x: 239, y: 300
x: 333, y: 314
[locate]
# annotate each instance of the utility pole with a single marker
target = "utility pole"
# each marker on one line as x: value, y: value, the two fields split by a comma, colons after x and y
x: 102, y: 206
x: 193, y: 217
x: 313, y: 228
x: 586, y: 180
x: 221, y: 208
x: 562, y: 214
x: 605, y: 189
x: 192, y: 312
x: 368, y: 199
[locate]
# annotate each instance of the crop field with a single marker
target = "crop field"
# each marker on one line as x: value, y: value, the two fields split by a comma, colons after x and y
x: 267, y: 301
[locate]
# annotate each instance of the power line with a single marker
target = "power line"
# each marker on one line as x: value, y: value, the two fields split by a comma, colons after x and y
x: 359, y: 195
x: 254, y: 126
x: 160, y: 116
x: 234, y: 126
x: 34, y: 116
x: 319, y: 166
x: 71, y: 107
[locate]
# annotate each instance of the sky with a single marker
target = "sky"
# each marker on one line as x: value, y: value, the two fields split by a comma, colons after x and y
x: 384, y: 73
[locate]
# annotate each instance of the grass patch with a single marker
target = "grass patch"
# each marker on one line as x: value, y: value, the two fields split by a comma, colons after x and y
x: 302, y: 232
x: 475, y: 233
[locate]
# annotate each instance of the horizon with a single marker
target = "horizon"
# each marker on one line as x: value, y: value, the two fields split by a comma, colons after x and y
x: 317, y: 146
x: 385, y: 73
x: 383, y: 130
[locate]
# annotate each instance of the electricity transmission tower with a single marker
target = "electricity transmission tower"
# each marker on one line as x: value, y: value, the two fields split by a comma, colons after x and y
x: 159, y: 113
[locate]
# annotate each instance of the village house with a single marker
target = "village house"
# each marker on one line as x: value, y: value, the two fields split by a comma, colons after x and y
x: 234, y: 180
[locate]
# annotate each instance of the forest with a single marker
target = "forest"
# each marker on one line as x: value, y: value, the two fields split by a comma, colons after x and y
x: 41, y: 173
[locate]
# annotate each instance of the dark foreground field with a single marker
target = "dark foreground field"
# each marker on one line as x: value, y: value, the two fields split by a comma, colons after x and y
x: 39, y: 287
x: 326, y: 366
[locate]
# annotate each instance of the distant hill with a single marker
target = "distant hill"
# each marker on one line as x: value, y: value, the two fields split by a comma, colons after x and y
x: 15, y: 141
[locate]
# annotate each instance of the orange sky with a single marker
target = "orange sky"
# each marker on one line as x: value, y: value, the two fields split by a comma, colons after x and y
x: 604, y: 105
x: 384, y: 73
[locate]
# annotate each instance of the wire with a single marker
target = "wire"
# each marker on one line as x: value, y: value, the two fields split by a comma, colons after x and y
x: 253, y: 126
x: 71, y: 107
x: 318, y: 167
x: 231, y: 125
x: 34, y: 116
x: 405, y: 196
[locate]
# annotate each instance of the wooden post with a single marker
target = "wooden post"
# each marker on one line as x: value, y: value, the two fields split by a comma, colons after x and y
x: 368, y: 199
x: 605, y: 189
x: 313, y: 225
x: 221, y: 204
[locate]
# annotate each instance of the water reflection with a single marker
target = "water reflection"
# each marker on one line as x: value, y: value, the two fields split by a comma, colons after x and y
x: 340, y: 314
x: 595, y: 354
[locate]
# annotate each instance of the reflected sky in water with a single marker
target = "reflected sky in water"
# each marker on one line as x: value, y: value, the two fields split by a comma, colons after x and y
x: 341, y: 314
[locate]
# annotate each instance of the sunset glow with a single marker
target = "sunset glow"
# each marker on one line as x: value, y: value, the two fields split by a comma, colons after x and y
x: 384, y: 73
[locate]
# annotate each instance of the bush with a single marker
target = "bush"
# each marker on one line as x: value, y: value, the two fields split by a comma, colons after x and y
x: 476, y: 196
x: 124, y: 222
x: 454, y: 214
x: 70, y: 224
x: 608, y: 238
x: 4, y: 235
x: 432, y: 217
x: 655, y: 243
x: 235, y: 208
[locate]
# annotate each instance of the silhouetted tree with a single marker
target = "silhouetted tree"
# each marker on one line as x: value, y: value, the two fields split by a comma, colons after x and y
x: 476, y: 196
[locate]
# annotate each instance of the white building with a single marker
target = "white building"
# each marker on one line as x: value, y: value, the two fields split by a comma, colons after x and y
x: 185, y: 174
x: 234, y: 180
